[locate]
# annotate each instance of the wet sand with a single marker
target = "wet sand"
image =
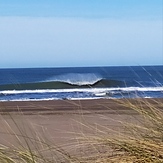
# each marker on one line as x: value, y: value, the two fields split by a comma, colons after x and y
x: 58, y: 106
x: 72, y: 106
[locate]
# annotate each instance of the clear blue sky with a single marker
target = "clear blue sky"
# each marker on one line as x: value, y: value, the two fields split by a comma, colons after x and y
x: 60, y: 33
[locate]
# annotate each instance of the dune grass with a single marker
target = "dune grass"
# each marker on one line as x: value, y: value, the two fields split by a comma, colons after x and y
x: 139, y: 140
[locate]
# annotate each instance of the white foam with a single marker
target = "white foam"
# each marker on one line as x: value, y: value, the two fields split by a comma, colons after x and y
x: 50, y: 91
x: 87, y: 98
x: 147, y: 97
x: 140, y: 89
x: 26, y: 99
x: 77, y: 78
x: 91, y: 90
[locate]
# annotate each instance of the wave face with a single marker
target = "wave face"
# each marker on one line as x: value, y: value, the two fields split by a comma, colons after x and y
x: 62, y: 85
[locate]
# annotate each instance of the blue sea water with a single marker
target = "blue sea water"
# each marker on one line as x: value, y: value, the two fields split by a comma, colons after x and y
x: 32, y: 84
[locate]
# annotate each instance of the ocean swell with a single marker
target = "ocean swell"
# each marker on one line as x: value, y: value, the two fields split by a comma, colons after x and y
x: 103, y: 83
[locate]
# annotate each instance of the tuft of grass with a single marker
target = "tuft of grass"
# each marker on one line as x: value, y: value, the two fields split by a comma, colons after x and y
x: 140, y: 140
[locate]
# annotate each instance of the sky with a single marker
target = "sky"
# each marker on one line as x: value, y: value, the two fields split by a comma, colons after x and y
x: 80, y: 33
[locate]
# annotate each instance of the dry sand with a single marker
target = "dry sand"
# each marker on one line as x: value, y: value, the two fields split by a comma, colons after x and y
x: 60, y: 121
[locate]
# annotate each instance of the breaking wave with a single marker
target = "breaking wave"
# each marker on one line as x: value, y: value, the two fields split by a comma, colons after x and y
x: 101, y: 83
x: 77, y: 78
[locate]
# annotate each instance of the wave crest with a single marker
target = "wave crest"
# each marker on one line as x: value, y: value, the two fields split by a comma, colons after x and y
x: 77, y: 78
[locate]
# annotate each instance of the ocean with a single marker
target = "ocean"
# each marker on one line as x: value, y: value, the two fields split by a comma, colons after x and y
x: 77, y: 83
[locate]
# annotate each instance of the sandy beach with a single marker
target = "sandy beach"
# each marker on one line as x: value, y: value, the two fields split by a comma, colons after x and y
x: 61, y: 121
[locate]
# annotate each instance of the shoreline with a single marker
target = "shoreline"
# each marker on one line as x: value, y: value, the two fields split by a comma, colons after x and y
x: 72, y: 106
